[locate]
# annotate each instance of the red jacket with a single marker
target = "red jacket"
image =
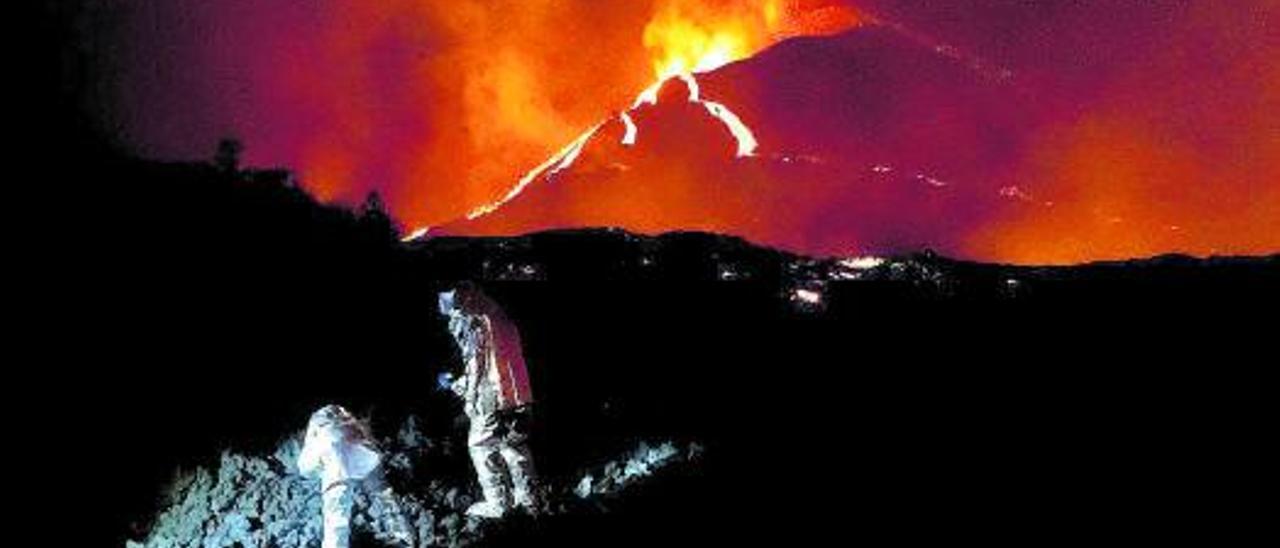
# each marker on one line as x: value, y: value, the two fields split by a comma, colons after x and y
x: 498, y: 363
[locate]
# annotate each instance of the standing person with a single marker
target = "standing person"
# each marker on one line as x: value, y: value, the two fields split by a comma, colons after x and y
x: 496, y: 397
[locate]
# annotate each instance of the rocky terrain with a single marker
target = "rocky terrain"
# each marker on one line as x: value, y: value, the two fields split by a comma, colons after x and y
x: 738, y: 304
x: 915, y: 388
x: 262, y: 501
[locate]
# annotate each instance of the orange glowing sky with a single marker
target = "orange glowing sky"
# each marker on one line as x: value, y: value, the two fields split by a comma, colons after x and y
x: 1156, y: 124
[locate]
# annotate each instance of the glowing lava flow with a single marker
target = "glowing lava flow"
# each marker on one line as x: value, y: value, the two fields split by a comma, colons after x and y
x: 561, y: 160
x: 747, y: 145
x: 628, y: 138
x: 746, y: 139
x: 747, y: 142
x: 688, y: 37
x: 417, y: 234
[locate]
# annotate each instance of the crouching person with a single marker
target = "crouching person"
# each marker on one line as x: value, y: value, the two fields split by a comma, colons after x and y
x: 496, y: 397
x: 340, y: 452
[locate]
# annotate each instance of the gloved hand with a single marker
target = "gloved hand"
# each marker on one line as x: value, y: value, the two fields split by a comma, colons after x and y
x: 444, y: 381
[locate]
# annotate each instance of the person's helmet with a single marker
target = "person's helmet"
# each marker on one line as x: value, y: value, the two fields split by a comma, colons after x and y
x: 336, y: 419
x: 448, y: 301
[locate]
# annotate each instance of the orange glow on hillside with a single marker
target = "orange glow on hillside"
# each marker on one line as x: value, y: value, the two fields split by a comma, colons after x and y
x: 994, y: 131
x: 686, y: 36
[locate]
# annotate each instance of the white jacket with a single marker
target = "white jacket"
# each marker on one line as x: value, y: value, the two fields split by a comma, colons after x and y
x: 337, y: 448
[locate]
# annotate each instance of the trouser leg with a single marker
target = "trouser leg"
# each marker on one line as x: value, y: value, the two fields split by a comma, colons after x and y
x: 523, y: 481
x: 336, y: 508
x: 519, y: 461
x: 395, y: 522
x: 490, y: 467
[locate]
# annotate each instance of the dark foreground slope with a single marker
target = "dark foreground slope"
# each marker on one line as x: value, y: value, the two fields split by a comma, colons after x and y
x: 910, y: 398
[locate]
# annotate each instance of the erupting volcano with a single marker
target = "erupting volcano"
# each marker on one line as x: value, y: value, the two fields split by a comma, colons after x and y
x: 873, y: 140
x: 833, y: 169
x: 684, y: 39
x: 1004, y: 132
x: 342, y: 233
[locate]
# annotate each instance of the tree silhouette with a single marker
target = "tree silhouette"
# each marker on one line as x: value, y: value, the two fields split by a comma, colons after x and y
x: 374, y: 217
x: 227, y: 156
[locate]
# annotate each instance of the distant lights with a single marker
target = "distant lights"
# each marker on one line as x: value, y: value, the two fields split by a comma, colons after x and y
x: 932, y: 181
x: 862, y: 263
x: 808, y: 296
